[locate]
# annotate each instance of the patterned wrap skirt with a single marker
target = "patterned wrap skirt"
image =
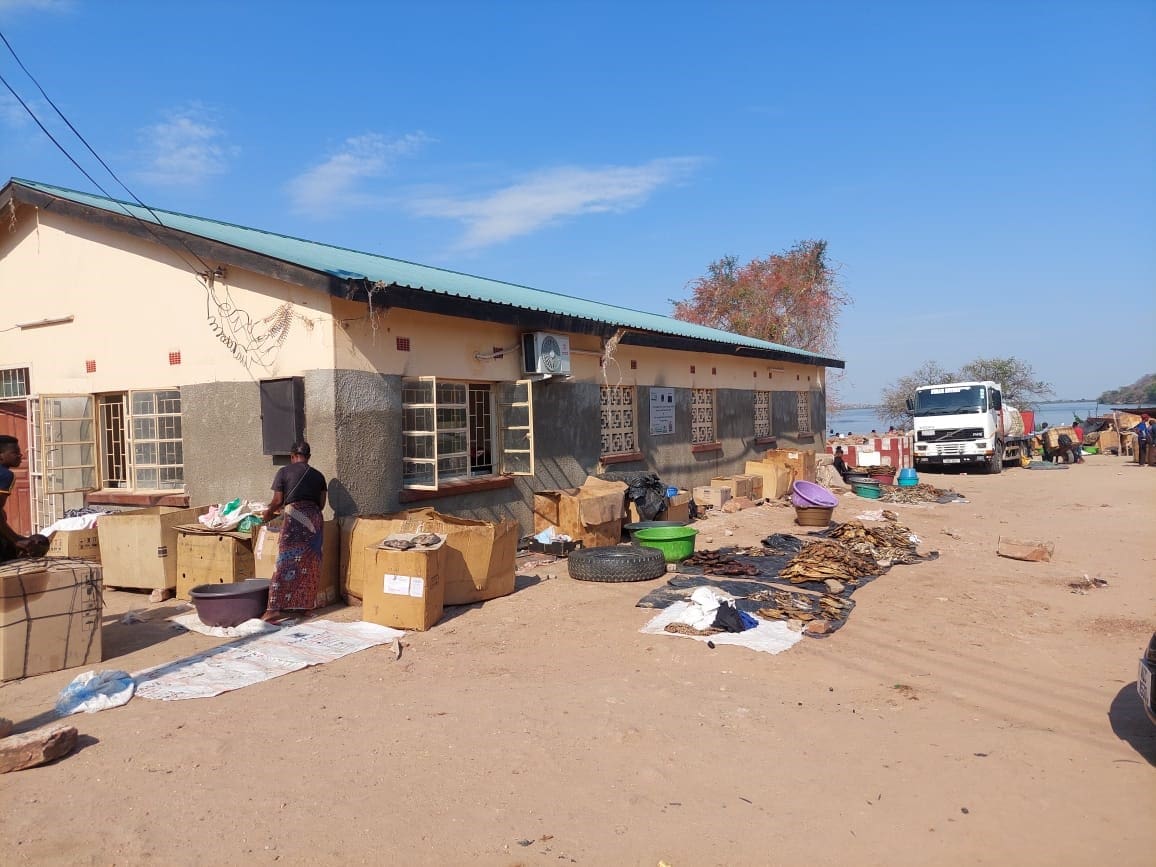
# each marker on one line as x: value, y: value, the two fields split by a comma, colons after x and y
x: 297, y: 574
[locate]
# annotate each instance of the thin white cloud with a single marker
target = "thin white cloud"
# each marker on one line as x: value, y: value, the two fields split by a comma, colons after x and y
x: 12, y: 113
x: 184, y: 149
x: 335, y: 184
x: 549, y: 196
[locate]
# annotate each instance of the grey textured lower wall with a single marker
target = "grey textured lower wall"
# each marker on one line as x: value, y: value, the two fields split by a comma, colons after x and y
x: 354, y: 424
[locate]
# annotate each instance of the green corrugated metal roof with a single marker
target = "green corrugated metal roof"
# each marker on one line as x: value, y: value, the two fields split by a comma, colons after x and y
x: 353, y: 265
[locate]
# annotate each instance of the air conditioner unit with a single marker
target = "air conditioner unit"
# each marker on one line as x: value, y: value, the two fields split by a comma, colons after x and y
x: 546, y: 353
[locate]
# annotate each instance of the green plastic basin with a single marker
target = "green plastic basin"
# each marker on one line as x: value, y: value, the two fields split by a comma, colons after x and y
x: 675, y: 543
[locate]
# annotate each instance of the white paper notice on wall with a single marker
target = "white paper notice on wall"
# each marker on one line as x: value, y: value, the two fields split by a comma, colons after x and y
x: 416, y: 587
x: 398, y: 585
x: 661, y: 411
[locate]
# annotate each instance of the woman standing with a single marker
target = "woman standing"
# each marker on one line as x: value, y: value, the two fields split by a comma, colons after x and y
x: 298, y: 492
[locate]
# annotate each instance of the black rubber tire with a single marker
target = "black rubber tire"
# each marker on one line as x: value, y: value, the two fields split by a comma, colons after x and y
x: 997, y: 461
x: 616, y: 564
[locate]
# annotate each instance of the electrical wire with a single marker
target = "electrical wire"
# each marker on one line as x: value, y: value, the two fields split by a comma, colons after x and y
x: 205, y: 265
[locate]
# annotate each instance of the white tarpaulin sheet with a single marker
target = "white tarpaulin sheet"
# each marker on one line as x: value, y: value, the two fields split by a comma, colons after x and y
x: 770, y: 636
x: 257, y: 658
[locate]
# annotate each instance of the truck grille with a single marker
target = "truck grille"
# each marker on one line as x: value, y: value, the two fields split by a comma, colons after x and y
x: 951, y: 435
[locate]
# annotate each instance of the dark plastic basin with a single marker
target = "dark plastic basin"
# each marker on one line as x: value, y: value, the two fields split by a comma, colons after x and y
x: 231, y: 604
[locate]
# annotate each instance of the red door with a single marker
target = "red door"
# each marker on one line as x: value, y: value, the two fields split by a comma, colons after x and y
x: 18, y: 509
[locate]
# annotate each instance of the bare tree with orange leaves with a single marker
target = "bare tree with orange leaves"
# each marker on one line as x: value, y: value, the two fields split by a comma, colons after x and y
x: 792, y: 298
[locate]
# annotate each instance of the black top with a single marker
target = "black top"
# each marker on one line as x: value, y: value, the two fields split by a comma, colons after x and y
x: 299, y: 483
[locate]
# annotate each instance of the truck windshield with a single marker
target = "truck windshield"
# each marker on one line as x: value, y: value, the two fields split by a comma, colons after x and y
x: 951, y: 400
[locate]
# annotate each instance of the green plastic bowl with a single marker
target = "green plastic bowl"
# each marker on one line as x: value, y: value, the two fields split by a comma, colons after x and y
x: 675, y: 543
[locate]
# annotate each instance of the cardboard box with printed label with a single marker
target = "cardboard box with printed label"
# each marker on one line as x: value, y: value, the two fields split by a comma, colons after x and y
x: 206, y: 556
x: 478, y: 561
x: 139, y: 548
x: 776, y: 478
x: 591, y: 514
x: 403, y: 589
x: 711, y: 496
x: 78, y: 544
x: 50, y: 616
x: 266, y: 539
x: 800, y: 463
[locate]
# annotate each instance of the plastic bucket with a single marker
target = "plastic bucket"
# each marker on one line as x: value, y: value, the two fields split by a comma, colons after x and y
x: 908, y: 483
x: 675, y: 543
x: 870, y: 490
x: 809, y: 494
x: 813, y: 516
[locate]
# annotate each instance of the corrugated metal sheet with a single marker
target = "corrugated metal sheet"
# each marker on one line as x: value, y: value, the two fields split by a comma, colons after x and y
x: 353, y: 265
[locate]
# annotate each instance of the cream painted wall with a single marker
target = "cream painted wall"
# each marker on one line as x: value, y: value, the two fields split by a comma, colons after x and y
x: 446, y: 346
x: 134, y: 302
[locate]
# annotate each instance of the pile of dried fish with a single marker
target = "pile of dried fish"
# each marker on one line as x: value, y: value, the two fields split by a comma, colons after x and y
x: 398, y: 544
x: 785, y: 605
x: 921, y: 493
x: 684, y: 629
x: 714, y: 563
x: 886, y: 543
x: 829, y: 558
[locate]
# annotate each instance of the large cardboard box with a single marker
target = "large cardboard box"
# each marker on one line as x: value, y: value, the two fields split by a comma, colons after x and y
x: 206, y: 556
x: 776, y: 478
x: 801, y: 463
x: 739, y: 484
x: 50, y: 616
x: 266, y: 545
x: 78, y: 544
x: 478, y: 558
x: 711, y: 496
x: 139, y: 548
x: 403, y: 589
x: 756, y: 481
x: 591, y: 514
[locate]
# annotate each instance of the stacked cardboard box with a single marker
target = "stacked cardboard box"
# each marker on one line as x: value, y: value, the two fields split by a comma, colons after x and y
x: 139, y: 548
x: 78, y: 544
x: 206, y: 556
x: 266, y: 539
x: 403, y: 589
x: 591, y: 513
x: 711, y: 496
x: 50, y: 616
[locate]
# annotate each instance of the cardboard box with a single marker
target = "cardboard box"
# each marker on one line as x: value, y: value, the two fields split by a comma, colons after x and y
x: 403, y: 589
x: 79, y: 544
x: 740, y: 485
x: 592, y: 513
x: 776, y: 478
x: 50, y: 616
x: 711, y: 496
x: 266, y: 539
x: 206, y: 556
x: 756, y: 481
x: 139, y: 548
x: 800, y: 463
x: 478, y: 559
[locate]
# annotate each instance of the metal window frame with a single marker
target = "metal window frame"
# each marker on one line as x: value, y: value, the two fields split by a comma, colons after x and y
x: 24, y: 377
x: 131, y: 440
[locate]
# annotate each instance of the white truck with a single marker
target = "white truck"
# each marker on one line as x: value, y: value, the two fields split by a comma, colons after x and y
x: 966, y: 423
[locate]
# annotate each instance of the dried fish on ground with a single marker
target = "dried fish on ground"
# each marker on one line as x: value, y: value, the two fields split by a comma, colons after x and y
x: 714, y: 563
x: 683, y: 629
x: 921, y: 493
x: 829, y: 558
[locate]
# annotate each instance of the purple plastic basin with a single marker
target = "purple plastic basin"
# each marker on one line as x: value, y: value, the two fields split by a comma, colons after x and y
x: 230, y: 604
x: 809, y: 494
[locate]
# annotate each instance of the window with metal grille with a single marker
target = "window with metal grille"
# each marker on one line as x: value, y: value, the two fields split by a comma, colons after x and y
x: 701, y: 415
x: 804, y: 409
x: 14, y: 382
x: 449, y: 431
x: 113, y: 451
x: 619, y: 434
x: 762, y: 413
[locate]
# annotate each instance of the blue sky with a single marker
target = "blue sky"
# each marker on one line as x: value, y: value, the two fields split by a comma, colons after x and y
x: 984, y: 173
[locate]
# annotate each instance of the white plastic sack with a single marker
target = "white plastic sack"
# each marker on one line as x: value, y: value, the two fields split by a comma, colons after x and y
x: 95, y: 690
x: 702, y: 610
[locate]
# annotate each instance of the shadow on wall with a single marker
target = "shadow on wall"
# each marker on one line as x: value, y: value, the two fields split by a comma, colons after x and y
x: 340, y: 500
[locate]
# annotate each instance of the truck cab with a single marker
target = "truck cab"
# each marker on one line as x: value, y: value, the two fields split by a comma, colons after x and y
x: 958, y: 424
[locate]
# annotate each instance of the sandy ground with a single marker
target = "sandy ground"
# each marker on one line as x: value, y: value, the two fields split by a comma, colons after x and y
x: 974, y: 710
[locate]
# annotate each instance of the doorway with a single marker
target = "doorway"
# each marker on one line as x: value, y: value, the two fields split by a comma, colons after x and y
x: 18, y: 509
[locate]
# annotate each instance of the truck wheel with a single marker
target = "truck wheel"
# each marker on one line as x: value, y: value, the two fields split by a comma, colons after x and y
x: 616, y: 564
x: 997, y: 460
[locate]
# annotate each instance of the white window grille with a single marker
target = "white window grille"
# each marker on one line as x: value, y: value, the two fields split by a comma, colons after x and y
x: 702, y: 416
x: 158, y: 460
x: 67, y: 457
x: 803, y: 403
x: 619, y: 416
x: 14, y: 382
x: 762, y: 413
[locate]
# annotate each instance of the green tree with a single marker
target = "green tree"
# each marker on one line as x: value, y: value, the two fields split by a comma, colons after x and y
x: 893, y: 404
x: 792, y: 298
x: 1021, y: 388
